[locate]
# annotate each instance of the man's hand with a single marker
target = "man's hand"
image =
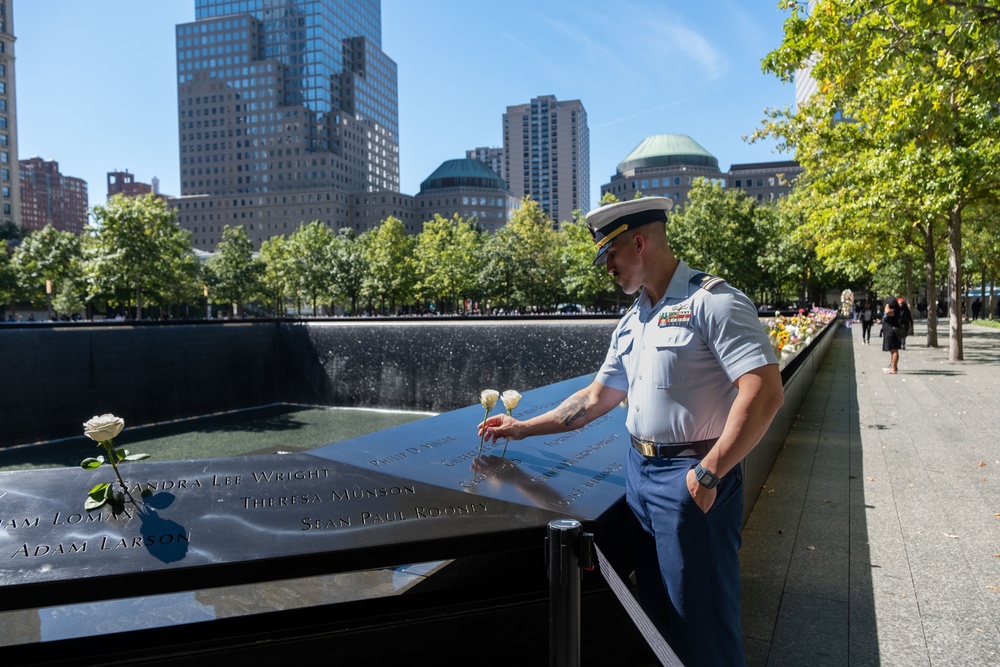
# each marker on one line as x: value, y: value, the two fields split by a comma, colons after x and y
x: 704, y: 497
x: 500, y: 426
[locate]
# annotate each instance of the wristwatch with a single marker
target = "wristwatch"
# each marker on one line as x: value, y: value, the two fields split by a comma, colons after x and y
x: 705, y: 477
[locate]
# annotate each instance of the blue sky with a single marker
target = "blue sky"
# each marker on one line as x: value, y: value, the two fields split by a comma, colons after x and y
x: 96, y: 87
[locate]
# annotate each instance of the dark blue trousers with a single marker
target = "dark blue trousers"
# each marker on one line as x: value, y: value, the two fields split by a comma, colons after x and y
x: 687, y: 561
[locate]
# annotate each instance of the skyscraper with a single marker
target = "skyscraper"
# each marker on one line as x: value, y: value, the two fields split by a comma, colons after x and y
x: 10, y: 182
x: 546, y: 147
x: 287, y: 111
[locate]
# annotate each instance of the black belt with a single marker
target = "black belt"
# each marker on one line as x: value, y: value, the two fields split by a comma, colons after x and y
x: 669, y: 451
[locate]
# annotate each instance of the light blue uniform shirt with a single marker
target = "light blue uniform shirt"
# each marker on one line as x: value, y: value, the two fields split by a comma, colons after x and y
x: 678, y: 358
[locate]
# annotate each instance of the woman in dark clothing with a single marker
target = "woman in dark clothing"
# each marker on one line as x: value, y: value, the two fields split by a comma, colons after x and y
x: 867, y: 320
x: 890, y: 339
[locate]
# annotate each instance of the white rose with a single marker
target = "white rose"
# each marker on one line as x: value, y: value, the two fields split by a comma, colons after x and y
x: 510, y: 399
x: 489, y: 398
x: 103, y: 428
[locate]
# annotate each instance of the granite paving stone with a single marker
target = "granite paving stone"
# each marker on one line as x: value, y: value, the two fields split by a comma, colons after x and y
x: 894, y: 480
x: 810, y: 631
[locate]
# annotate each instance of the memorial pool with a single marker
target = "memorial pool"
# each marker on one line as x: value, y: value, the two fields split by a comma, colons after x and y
x: 262, y: 430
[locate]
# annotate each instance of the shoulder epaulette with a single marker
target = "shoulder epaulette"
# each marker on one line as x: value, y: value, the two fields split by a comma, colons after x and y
x: 706, y: 281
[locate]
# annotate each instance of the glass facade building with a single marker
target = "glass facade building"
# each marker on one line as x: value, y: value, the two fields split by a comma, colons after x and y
x: 318, y: 41
x: 285, y: 96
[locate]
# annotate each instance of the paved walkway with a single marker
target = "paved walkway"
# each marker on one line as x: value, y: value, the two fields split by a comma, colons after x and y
x: 877, y: 538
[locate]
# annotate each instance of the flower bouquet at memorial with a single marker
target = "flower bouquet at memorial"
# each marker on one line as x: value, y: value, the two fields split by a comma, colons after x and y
x: 487, y: 399
x: 847, y: 303
x: 103, y: 429
x: 510, y: 399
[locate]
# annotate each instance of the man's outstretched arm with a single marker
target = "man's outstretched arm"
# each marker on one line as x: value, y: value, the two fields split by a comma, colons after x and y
x: 578, y: 410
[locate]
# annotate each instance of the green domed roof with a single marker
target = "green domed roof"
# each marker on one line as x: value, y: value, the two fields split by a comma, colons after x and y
x: 467, y: 172
x: 661, y: 150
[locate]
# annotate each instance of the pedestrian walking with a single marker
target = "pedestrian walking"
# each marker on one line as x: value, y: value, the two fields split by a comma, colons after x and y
x: 890, y: 335
x: 867, y: 320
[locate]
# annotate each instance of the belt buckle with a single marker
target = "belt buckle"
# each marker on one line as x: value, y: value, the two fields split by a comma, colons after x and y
x: 646, y: 448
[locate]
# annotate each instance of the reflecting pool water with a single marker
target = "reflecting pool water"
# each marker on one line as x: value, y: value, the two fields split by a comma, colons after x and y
x: 262, y: 430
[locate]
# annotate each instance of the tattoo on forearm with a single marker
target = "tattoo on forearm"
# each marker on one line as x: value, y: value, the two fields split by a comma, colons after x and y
x: 571, y: 410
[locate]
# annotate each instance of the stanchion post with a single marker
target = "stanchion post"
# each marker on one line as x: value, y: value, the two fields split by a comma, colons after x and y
x: 563, y: 544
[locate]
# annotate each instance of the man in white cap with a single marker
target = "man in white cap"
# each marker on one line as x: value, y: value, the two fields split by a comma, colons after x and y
x: 702, y: 384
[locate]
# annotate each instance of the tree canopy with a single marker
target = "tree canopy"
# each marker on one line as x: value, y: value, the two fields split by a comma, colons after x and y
x: 135, y: 255
x: 233, y: 273
x: 136, y: 251
x: 48, y: 259
x: 899, y: 139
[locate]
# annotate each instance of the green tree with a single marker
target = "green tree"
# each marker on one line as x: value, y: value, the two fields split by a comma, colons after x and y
x: 69, y: 299
x: 311, y: 246
x: 789, y: 260
x: 919, y: 83
x: 277, y: 280
x: 136, y: 251
x: 178, y: 277
x: 8, y: 277
x: 520, y: 263
x: 235, y: 272
x: 349, y: 266
x: 388, y: 253
x: 716, y: 231
x: 447, y: 259
x: 48, y: 259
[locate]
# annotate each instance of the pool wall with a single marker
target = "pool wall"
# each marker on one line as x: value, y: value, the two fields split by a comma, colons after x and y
x: 54, y: 377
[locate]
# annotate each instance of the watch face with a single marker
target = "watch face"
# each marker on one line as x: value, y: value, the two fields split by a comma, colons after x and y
x: 705, y: 477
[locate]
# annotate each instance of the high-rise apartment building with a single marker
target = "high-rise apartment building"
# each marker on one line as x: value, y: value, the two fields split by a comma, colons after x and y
x: 546, y: 147
x: 287, y: 113
x: 10, y: 186
x: 49, y: 198
x: 492, y: 157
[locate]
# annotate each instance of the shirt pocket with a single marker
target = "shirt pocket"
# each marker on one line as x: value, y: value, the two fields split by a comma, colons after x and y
x: 623, y: 347
x: 670, y: 343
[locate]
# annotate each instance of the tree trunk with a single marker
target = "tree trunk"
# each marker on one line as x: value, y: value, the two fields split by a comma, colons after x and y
x: 956, y: 283
x: 930, y: 286
x: 993, y: 293
x: 908, y: 288
x: 982, y: 291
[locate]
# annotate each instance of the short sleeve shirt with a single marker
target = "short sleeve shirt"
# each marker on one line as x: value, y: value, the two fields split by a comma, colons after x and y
x: 678, y: 358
